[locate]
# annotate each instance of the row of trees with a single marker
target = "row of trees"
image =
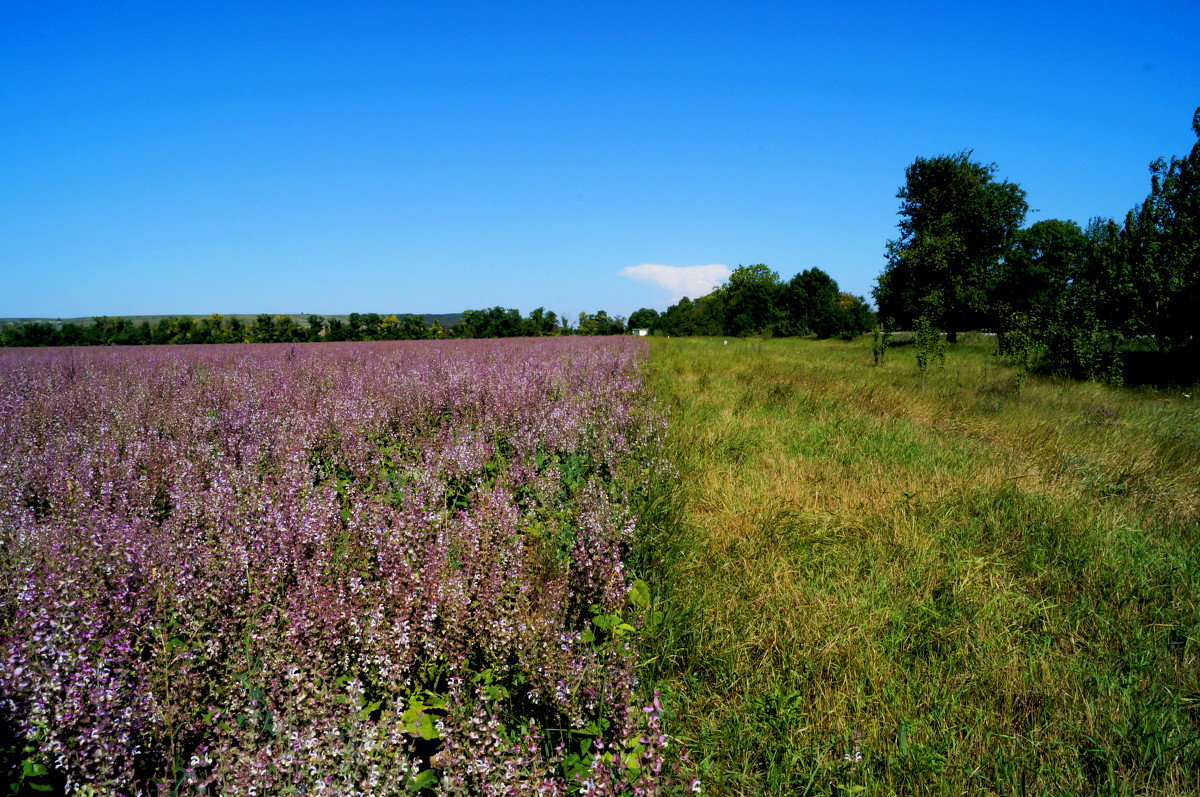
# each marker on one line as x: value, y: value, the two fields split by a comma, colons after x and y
x: 755, y: 301
x: 500, y: 322
x: 497, y: 322
x: 1079, y: 296
x: 216, y: 328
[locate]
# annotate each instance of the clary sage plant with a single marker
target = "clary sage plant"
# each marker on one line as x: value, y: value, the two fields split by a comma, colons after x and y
x: 341, y: 569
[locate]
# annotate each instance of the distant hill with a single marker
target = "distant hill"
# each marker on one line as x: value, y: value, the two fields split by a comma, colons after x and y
x: 445, y: 319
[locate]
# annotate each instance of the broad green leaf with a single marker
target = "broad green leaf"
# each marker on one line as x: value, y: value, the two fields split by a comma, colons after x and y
x: 425, y: 779
x: 416, y: 722
x: 639, y: 594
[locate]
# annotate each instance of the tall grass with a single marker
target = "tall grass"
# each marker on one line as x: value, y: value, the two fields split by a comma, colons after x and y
x: 874, y: 583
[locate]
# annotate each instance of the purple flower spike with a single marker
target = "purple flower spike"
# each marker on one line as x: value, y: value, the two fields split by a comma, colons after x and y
x: 328, y: 568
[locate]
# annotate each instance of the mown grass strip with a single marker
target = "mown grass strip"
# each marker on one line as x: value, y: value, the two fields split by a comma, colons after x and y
x: 872, y: 583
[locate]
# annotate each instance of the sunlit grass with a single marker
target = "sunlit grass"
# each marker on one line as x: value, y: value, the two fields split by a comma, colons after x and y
x: 982, y: 591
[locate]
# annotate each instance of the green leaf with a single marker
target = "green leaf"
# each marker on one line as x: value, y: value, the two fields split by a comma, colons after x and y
x: 415, y: 722
x: 369, y: 709
x: 596, y: 728
x: 639, y: 594
x: 426, y: 779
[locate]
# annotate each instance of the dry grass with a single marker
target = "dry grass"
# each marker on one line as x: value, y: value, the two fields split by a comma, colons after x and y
x: 987, y: 593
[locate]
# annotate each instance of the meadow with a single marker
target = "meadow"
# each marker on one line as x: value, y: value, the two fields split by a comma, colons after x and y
x: 561, y: 567
x: 375, y: 568
x: 867, y: 582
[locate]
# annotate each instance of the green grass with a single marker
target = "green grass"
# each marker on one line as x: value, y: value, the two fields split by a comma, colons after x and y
x: 987, y: 592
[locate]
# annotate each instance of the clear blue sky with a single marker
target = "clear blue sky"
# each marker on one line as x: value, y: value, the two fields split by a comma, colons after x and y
x: 395, y: 157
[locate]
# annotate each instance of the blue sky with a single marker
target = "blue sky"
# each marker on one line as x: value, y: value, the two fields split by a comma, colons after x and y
x: 396, y: 157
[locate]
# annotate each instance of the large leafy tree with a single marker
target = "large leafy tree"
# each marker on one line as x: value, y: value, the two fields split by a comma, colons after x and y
x: 599, y: 323
x: 853, y: 317
x: 287, y: 330
x: 262, y: 329
x: 956, y: 224
x: 413, y: 327
x: 540, y: 323
x: 643, y: 318
x: 705, y: 316
x: 751, y: 300
x: 1042, y: 261
x: 679, y: 319
x: 810, y: 302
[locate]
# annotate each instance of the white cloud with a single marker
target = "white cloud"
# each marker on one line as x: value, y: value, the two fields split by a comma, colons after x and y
x: 690, y: 281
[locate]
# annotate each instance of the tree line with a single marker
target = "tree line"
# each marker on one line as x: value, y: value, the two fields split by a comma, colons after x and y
x: 495, y: 322
x: 500, y: 322
x: 1075, y: 298
x: 755, y: 301
x: 216, y: 328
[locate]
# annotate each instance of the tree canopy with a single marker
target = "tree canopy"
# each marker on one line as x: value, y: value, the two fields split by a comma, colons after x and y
x: 643, y: 318
x: 1042, y: 261
x: 1091, y: 300
x: 956, y: 224
x: 755, y: 301
x: 751, y: 301
x: 811, y: 303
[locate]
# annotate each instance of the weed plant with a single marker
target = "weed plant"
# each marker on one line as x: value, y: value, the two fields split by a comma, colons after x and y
x: 864, y: 586
x: 881, y: 339
x: 930, y: 347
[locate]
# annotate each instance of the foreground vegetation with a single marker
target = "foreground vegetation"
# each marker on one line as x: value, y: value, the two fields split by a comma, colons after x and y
x: 876, y: 582
x: 382, y: 568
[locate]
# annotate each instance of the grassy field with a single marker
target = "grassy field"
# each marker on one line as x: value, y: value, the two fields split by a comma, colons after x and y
x: 869, y: 585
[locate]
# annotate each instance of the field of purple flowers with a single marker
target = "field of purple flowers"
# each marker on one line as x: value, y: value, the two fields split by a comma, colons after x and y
x: 336, y: 569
